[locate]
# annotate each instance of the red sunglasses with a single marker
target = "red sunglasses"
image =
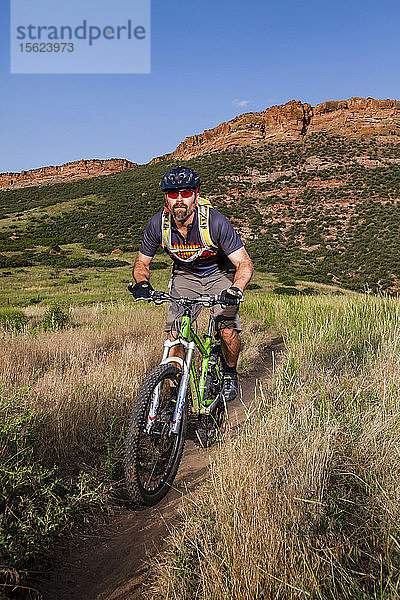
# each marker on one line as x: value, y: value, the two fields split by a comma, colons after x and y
x: 173, y: 194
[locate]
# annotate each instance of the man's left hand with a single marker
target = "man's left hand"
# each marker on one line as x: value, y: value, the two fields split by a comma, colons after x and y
x: 232, y: 296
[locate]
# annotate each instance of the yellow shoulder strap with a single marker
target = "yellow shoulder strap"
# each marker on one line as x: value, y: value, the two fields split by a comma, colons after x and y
x: 204, y: 222
x: 204, y: 201
x: 166, y: 229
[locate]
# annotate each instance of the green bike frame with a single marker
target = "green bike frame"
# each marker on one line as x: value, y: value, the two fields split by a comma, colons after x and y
x: 198, y: 384
x: 188, y: 339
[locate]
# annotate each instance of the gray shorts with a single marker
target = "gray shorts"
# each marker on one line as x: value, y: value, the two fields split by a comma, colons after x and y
x: 186, y: 285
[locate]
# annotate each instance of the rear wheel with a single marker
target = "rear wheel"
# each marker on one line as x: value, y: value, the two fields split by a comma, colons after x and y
x: 152, y: 457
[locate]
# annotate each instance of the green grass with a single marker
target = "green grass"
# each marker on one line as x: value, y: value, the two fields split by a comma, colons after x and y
x: 44, y: 285
x: 57, y: 209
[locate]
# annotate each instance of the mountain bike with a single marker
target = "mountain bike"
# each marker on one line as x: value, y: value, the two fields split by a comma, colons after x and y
x: 175, y: 392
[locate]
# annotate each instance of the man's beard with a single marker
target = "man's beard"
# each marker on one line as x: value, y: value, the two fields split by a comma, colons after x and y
x: 181, y: 213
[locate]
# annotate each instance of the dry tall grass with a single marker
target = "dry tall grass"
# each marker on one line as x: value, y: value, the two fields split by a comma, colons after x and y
x: 305, y: 502
x: 80, y: 382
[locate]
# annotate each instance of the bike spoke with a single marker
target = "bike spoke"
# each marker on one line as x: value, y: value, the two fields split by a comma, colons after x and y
x: 151, y: 474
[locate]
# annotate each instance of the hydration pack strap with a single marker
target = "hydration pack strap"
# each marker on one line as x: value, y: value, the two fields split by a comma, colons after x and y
x: 166, y: 230
x: 204, y: 224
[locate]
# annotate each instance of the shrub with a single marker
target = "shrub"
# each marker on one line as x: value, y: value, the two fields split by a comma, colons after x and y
x: 12, y: 318
x: 286, y: 279
x: 253, y: 286
x: 35, y: 503
x: 288, y: 291
x: 55, y: 317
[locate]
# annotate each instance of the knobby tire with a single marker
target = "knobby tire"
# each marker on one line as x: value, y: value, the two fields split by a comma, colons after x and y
x: 152, y: 459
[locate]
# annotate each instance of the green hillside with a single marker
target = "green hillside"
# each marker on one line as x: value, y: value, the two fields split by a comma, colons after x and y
x: 324, y: 210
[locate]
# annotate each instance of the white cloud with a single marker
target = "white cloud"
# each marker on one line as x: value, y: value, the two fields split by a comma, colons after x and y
x: 241, y: 103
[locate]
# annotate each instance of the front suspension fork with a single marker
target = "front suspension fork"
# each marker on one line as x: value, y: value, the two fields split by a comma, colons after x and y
x: 183, y: 386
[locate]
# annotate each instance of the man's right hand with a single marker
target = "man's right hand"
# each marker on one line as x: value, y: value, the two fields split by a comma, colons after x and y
x: 141, y: 290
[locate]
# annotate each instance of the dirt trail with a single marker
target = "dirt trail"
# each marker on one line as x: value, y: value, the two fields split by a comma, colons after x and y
x: 111, y: 564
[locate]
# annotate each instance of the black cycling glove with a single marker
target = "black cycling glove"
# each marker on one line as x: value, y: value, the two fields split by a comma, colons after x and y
x: 232, y: 296
x: 141, y: 290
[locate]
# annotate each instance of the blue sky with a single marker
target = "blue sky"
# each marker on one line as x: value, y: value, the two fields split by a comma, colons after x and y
x: 211, y: 61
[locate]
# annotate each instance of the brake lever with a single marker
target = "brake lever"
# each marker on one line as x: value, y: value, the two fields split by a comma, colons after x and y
x: 158, y: 297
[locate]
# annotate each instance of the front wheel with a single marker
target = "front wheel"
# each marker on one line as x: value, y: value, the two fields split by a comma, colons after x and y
x: 152, y: 457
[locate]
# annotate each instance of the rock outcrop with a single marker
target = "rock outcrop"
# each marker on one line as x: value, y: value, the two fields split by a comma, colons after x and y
x: 72, y: 171
x: 357, y: 117
x: 293, y: 121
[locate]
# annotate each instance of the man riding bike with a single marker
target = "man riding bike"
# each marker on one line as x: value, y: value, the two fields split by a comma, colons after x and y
x: 208, y: 256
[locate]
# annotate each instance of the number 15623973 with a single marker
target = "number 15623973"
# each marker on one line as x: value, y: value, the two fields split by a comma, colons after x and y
x: 47, y: 47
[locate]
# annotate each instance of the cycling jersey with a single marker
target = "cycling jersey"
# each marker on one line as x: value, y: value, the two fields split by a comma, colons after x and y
x: 224, y: 237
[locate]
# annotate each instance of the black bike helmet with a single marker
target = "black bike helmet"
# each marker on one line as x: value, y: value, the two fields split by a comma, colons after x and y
x: 180, y: 178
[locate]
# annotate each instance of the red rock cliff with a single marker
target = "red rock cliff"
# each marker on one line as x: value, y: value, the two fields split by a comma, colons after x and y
x: 293, y: 121
x: 72, y: 171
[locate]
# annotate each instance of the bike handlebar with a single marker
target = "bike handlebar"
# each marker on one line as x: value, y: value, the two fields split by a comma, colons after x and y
x: 161, y: 297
